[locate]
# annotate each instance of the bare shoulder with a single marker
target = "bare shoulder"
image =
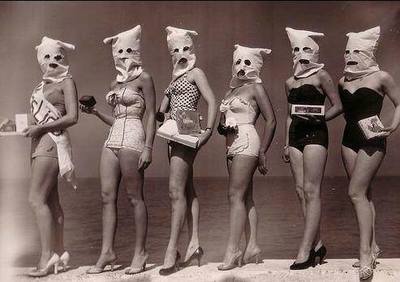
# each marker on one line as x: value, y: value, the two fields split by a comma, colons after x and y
x: 145, y: 76
x: 289, y: 82
x: 68, y: 84
x: 341, y: 81
x: 323, y: 75
x: 196, y: 73
x: 384, y: 76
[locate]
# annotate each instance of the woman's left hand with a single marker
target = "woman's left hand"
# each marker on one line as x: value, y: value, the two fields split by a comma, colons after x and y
x: 145, y: 159
x: 262, y: 164
x: 203, y: 138
x: 33, y: 131
x: 387, y: 131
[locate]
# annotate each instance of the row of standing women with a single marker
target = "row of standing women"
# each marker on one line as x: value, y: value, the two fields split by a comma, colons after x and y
x: 127, y: 151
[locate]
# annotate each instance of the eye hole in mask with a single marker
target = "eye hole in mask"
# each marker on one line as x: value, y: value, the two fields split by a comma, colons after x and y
x: 247, y: 62
x: 307, y: 49
x: 176, y: 50
x: 238, y: 61
x: 296, y: 49
x: 58, y: 57
x: 347, y: 52
x: 357, y: 51
x: 47, y: 56
x: 185, y: 48
x: 129, y: 50
x: 120, y: 51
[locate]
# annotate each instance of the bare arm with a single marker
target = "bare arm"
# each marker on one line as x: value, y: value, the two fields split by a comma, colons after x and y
x: 201, y: 81
x: 150, y: 99
x: 391, y: 89
x: 333, y: 96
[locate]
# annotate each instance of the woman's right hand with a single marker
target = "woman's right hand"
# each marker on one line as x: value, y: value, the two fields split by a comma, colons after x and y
x: 87, y: 110
x: 286, y: 156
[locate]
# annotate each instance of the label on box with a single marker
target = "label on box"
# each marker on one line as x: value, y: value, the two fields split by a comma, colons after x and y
x: 314, y: 110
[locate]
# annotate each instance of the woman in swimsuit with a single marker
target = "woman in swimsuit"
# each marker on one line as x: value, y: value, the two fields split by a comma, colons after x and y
x: 128, y: 148
x: 307, y: 138
x: 362, y: 90
x: 188, y: 84
x: 244, y: 151
x: 54, y: 105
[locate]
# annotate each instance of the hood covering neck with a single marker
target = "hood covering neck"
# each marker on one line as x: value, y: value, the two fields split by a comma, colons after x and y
x: 52, y: 59
x: 360, y: 53
x: 181, y: 48
x: 246, y: 66
x: 126, y: 53
x: 305, y: 52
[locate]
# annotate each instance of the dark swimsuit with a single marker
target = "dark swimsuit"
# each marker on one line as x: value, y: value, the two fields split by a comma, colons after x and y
x: 364, y: 102
x: 305, y: 132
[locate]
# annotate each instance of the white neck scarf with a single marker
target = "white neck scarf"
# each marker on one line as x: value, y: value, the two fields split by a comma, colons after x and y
x: 126, y: 53
x: 305, y: 52
x: 246, y: 66
x: 359, y: 55
x: 52, y: 59
x: 181, y: 48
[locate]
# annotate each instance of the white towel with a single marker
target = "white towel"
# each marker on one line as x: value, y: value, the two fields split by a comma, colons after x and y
x: 43, y: 112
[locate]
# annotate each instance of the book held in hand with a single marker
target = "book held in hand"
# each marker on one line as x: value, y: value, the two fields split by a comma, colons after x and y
x: 188, y: 122
x: 169, y: 130
x: 371, y: 127
x: 314, y: 110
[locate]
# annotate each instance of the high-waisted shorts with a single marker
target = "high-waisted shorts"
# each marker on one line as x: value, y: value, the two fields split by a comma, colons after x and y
x: 303, y: 133
x: 245, y: 142
x: 126, y: 133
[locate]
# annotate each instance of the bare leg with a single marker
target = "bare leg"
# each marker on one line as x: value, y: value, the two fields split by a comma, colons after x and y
x: 296, y: 165
x: 181, y: 164
x: 250, y: 230
x: 364, y: 170
x: 44, y: 179
x: 192, y: 216
x: 110, y: 177
x: 58, y: 217
x: 132, y: 179
x: 240, y: 175
x: 314, y: 160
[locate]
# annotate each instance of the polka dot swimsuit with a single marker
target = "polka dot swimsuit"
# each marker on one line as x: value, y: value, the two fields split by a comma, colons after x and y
x: 182, y: 95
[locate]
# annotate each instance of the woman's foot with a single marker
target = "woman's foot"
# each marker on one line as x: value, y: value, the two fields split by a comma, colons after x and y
x: 191, y: 249
x: 171, y: 263
x: 252, y: 254
x: 44, y: 271
x: 232, y: 260
x: 304, y: 264
x: 375, y: 253
x: 197, y: 254
x: 102, y: 262
x: 366, y: 270
x: 138, y: 264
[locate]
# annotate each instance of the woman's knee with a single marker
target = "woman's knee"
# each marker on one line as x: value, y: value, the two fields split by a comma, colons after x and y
x: 108, y: 197
x: 356, y: 195
x: 300, y: 190
x: 36, y: 201
x: 311, y: 191
x: 235, y: 195
x: 135, y: 197
x: 176, y: 190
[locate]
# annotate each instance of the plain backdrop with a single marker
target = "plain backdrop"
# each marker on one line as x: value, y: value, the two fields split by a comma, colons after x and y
x: 220, y: 25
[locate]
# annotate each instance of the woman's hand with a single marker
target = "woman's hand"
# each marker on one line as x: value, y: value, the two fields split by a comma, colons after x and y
x: 387, y: 131
x: 88, y: 110
x: 145, y: 158
x: 286, y: 156
x: 262, y: 164
x: 33, y: 131
x: 203, y: 138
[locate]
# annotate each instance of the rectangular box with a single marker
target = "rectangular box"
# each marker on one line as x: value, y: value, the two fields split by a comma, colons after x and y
x: 21, y: 122
x: 169, y: 130
x: 314, y: 110
x: 188, y: 122
x: 371, y: 127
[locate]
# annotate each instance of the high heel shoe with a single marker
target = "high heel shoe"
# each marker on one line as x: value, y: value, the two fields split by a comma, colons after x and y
x: 53, y: 262
x: 256, y: 258
x: 375, y: 257
x: 198, y: 253
x: 366, y: 272
x: 136, y: 270
x: 235, y: 261
x: 320, y: 255
x: 172, y: 269
x: 64, y: 259
x: 97, y: 270
x: 304, y: 265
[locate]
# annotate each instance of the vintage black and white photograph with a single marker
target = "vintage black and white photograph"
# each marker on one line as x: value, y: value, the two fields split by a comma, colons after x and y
x: 200, y: 141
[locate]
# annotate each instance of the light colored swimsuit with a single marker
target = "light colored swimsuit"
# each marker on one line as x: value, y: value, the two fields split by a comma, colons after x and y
x: 238, y: 111
x: 127, y: 130
x: 44, y: 146
x: 182, y: 95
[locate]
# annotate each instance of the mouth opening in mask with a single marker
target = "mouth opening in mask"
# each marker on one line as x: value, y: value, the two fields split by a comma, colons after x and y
x: 182, y: 61
x: 53, y: 65
x: 241, y: 73
x: 304, y: 61
x: 352, y: 63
